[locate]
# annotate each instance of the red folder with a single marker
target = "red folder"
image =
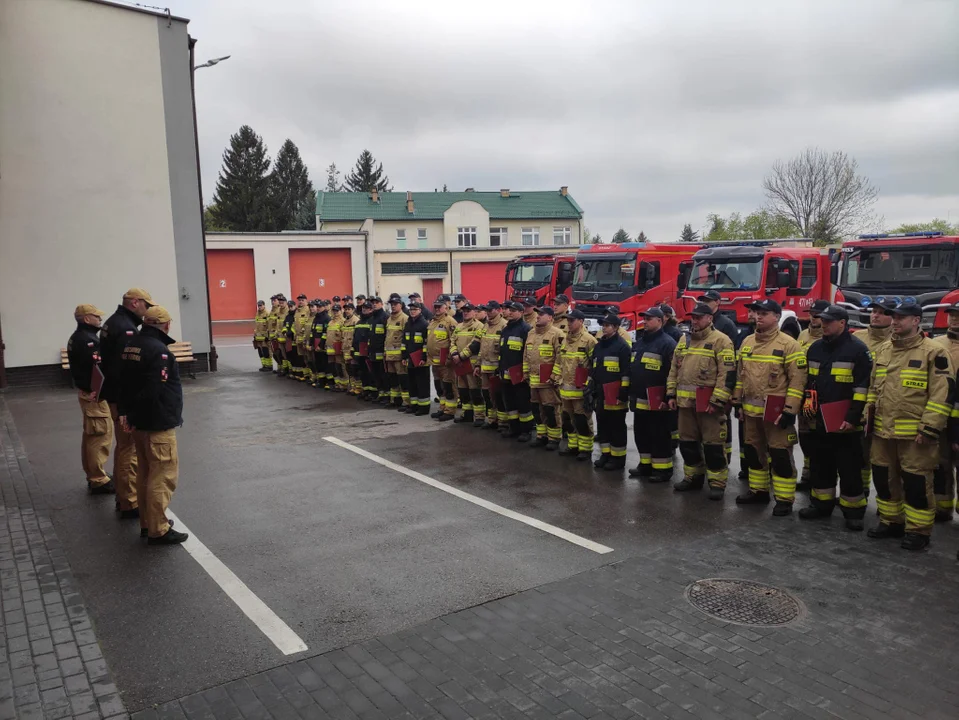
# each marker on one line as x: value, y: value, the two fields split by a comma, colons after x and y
x: 545, y: 371
x: 494, y: 383
x: 463, y: 367
x: 289, y: 346
x: 703, y: 396
x: 516, y: 374
x: 416, y: 357
x: 870, y: 418
x: 656, y: 396
x: 582, y: 375
x: 774, y: 408
x: 338, y: 347
x: 364, y: 349
x: 96, y: 381
x: 275, y: 346
x: 369, y: 364
x: 611, y: 392
x: 316, y: 343
x: 834, y: 414
x: 444, y: 355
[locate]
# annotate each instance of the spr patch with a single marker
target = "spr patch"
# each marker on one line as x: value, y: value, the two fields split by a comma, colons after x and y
x: 942, y: 362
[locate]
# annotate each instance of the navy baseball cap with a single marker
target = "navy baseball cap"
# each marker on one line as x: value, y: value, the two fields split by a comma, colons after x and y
x: 416, y: 305
x: 819, y: 307
x: 654, y: 312
x: 576, y: 315
x: 562, y: 298
x: 767, y: 305
x: 513, y: 306
x: 834, y: 312
x: 908, y: 308
x: 529, y: 302
x: 545, y: 311
x: 611, y: 320
x: 701, y: 309
x: 710, y: 295
x: 493, y: 305
x: 667, y: 309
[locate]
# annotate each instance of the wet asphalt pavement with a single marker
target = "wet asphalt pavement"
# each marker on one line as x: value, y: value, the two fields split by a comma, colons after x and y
x: 337, y: 546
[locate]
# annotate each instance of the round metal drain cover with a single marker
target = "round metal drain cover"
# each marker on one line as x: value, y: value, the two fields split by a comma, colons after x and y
x: 744, y: 602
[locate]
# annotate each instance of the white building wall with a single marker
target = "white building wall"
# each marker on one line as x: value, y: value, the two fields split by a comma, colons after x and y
x: 85, y: 200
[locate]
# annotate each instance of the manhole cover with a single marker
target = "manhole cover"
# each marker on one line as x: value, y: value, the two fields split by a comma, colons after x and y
x: 744, y: 602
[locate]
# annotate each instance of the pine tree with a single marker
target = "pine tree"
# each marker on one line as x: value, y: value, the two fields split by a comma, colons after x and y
x: 620, y: 236
x: 642, y: 237
x: 241, y: 202
x: 333, y: 183
x: 688, y: 235
x: 290, y: 187
x: 365, y: 178
x: 305, y: 218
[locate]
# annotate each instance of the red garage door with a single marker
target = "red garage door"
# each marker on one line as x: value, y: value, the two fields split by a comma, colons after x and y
x: 232, y: 284
x: 320, y: 273
x: 482, y: 281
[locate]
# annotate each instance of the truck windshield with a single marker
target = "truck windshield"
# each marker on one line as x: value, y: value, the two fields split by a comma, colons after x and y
x: 528, y: 273
x: 605, y: 273
x: 878, y: 268
x: 731, y: 274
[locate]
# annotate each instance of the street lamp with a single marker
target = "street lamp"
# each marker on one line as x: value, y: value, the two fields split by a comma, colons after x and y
x: 211, y: 63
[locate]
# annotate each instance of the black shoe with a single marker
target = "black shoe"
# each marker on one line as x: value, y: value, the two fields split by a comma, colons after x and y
x: 814, y: 512
x: 107, y: 488
x: 130, y: 514
x: 914, y: 541
x: 445, y: 417
x: 584, y: 455
x: 523, y: 437
x: 743, y: 476
x: 461, y: 419
x: 753, y: 498
x: 172, y: 537
x: 641, y: 471
x: 943, y: 516
x: 614, y: 464
x: 717, y: 493
x: 265, y: 369
x: 552, y: 445
x: 602, y: 460
x: 687, y: 484
x: 661, y: 476
x: 490, y: 426
x: 803, y: 486
x: 436, y: 399
x: 146, y: 533
x: 854, y: 524
x: 479, y: 423
x: 421, y: 411
x: 403, y: 408
x: 883, y: 531
x: 782, y: 509
x: 437, y: 415
x: 538, y: 442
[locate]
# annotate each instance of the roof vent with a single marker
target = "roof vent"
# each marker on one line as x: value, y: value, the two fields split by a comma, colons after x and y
x: 564, y: 191
x: 374, y: 193
x: 504, y: 192
x: 409, y: 202
x: 470, y: 190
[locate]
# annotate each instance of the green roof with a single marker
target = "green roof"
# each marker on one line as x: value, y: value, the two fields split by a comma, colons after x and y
x: 333, y: 207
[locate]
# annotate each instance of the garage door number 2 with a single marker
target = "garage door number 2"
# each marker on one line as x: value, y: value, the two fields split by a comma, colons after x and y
x: 222, y: 283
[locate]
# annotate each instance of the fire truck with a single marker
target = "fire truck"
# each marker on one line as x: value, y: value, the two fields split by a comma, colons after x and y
x: 790, y: 271
x: 541, y: 277
x: 921, y: 266
x: 632, y: 277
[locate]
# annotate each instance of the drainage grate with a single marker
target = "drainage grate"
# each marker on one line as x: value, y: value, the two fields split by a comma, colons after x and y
x: 744, y: 602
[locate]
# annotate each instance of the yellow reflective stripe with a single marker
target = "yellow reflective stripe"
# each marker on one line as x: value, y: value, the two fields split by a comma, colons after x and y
x: 753, y: 408
x: 881, y: 372
x: 813, y: 370
x: 857, y: 503
x: 913, y: 372
x: 915, y: 516
x: 859, y: 397
x: 793, y: 393
x: 793, y: 357
x: 763, y: 359
x: 939, y: 408
x: 840, y: 371
x: 686, y: 393
x: 699, y: 351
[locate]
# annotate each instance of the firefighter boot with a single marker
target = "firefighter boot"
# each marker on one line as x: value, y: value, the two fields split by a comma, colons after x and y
x: 538, y: 441
x: 615, y: 463
x: 716, y: 493
x: 815, y: 512
x: 602, y: 460
x: 915, y: 542
x: 753, y: 498
x: 883, y: 531
x: 695, y: 482
x: 782, y: 509
x: 643, y: 470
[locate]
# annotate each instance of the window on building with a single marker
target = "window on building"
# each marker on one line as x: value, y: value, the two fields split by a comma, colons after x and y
x: 466, y: 237
x: 401, y: 239
x: 497, y: 237
x: 414, y: 268
x: 531, y: 236
x: 808, y: 278
x: 421, y: 238
x: 562, y: 235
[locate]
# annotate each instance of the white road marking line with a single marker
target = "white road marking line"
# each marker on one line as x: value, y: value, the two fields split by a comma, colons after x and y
x: 279, y: 633
x: 519, y: 517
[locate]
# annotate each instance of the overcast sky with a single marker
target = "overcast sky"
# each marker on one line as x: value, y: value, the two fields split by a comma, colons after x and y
x: 654, y: 113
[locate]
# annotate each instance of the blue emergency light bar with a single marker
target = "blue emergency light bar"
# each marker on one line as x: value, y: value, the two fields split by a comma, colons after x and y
x: 886, y: 236
x: 754, y: 243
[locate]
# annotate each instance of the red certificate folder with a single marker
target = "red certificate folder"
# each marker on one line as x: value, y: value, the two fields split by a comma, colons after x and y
x: 611, y: 393
x: 545, y: 371
x: 582, y: 375
x: 369, y: 364
x: 338, y: 347
x: 774, y: 408
x: 463, y: 367
x: 96, y: 381
x: 316, y: 343
x: 516, y: 374
x: 655, y: 396
x: 289, y: 346
x: 416, y: 357
x: 494, y: 384
x: 834, y: 414
x: 444, y: 355
x: 364, y: 349
x: 703, y: 396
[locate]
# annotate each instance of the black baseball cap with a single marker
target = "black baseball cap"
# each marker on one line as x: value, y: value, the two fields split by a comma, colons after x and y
x: 954, y: 308
x: 611, y: 320
x: 545, y: 311
x: 416, y: 305
x: 468, y: 306
x: 482, y: 307
x: 349, y: 305
x: 576, y: 315
x: 667, y: 309
x: 710, y: 295
x: 908, y: 308
x: 439, y: 301
x: 414, y: 295
x: 834, y: 312
x: 819, y: 307
x: 459, y: 297
x: 337, y: 307
x: 513, y: 306
x: 301, y: 296
x: 562, y: 298
x: 367, y: 305
x: 887, y: 305
x: 493, y: 305
x: 767, y: 305
x: 394, y: 298
x: 701, y: 309
x: 336, y: 298
x: 653, y: 312
x: 529, y: 302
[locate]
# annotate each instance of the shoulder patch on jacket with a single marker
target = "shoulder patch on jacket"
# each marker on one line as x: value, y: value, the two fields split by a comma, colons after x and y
x: 778, y: 353
x: 942, y: 363
x: 708, y: 346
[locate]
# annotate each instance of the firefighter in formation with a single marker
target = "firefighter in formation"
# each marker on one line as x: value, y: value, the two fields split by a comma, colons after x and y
x: 877, y: 405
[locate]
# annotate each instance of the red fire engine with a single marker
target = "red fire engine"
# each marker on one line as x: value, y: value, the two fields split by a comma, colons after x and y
x: 541, y: 277
x: 632, y: 277
x: 790, y: 271
x: 922, y: 266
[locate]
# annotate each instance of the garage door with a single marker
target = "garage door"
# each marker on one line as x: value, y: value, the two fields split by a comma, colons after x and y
x: 482, y: 281
x: 232, y: 284
x: 320, y: 273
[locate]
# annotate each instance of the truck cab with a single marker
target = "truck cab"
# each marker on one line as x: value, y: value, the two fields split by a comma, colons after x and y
x: 541, y: 277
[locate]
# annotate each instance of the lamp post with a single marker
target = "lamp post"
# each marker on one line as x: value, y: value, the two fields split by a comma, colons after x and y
x: 211, y: 63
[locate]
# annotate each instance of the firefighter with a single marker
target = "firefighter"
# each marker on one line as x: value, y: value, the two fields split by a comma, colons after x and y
x: 839, y: 370
x: 649, y: 370
x: 114, y: 335
x: 151, y: 407
x: 439, y: 336
x: 334, y: 345
x: 740, y: 425
x: 944, y: 480
x: 397, y: 377
x: 415, y: 358
x: 622, y: 332
x: 459, y: 302
x: 314, y: 344
x: 721, y: 322
x: 515, y: 386
x: 83, y: 352
x: 287, y: 348
x: 302, y: 323
x: 272, y: 328
x: 561, y: 313
x: 878, y: 332
x: 424, y: 310
x: 610, y: 387
x: 806, y: 424
x: 260, y: 341
x: 540, y: 358
x: 671, y: 326
x: 701, y: 381
x: 575, y: 358
x: 481, y: 313
x: 467, y: 383
x: 912, y: 392
x: 346, y: 360
x: 361, y: 353
x: 772, y: 369
x: 529, y: 312
x: 486, y: 347
x: 379, y: 319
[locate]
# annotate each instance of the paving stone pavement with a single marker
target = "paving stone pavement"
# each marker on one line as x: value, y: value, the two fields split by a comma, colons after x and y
x: 877, y: 641
x: 50, y: 663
